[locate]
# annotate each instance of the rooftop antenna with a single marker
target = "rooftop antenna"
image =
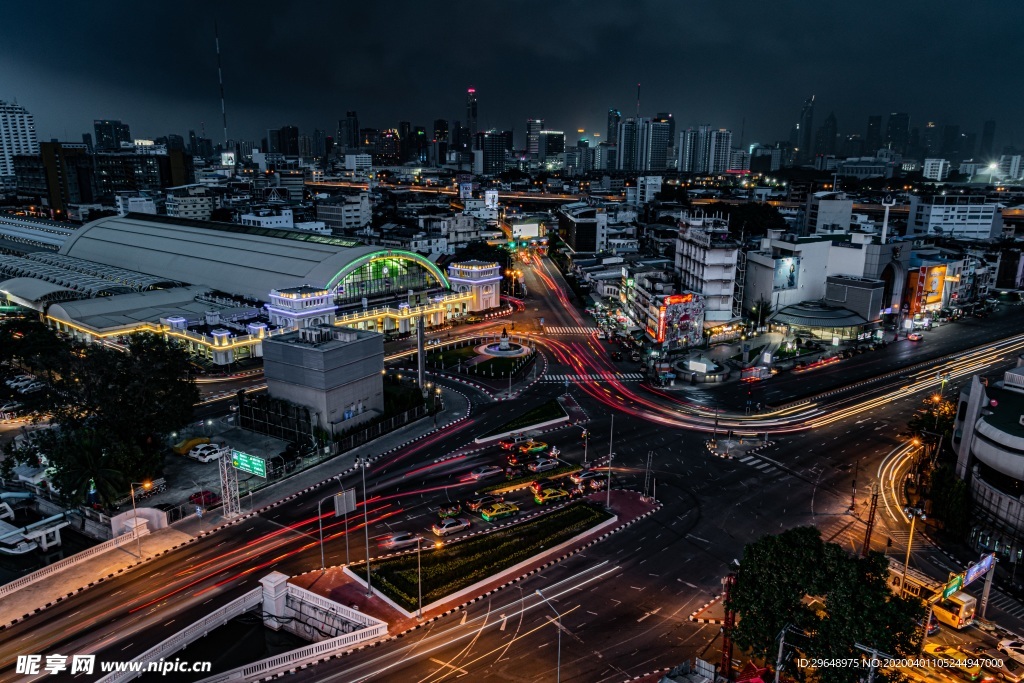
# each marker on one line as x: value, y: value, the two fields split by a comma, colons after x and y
x: 638, y: 100
x: 220, y: 79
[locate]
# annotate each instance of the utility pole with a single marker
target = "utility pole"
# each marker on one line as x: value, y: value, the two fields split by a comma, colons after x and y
x: 608, y: 496
x: 730, y: 621
x: 647, y: 472
x: 853, y: 488
x: 778, y: 660
x: 871, y: 521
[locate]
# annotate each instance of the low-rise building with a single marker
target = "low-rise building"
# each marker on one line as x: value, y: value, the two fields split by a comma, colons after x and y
x: 345, y: 212
x: 705, y: 262
x: 583, y: 227
x: 954, y: 215
x: 195, y: 201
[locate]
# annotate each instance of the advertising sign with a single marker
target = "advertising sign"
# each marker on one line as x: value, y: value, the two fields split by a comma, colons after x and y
x: 491, y: 199
x: 976, y: 571
x: 680, y: 321
x: 465, y: 190
x: 248, y: 463
x: 227, y: 158
x: 787, y: 273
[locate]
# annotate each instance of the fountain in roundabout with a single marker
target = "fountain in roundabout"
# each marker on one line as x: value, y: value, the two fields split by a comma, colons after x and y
x: 505, y: 348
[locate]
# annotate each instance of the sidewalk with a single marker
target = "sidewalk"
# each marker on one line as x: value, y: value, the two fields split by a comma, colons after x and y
x: 37, y: 596
x: 42, y: 594
x: 336, y: 585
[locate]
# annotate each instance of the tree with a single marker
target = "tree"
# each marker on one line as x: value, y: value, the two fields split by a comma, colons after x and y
x: 761, y: 311
x: 937, y: 419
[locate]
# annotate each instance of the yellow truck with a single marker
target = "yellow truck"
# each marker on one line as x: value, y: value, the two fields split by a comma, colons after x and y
x: 183, y: 447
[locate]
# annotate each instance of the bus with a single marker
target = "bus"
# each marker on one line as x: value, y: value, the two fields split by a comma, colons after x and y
x: 956, y: 611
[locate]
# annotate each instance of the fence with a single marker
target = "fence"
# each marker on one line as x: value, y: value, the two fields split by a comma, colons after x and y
x: 197, y: 630
x: 57, y: 567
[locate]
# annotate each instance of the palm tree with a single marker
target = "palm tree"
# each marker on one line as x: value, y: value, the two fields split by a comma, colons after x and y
x: 82, y: 463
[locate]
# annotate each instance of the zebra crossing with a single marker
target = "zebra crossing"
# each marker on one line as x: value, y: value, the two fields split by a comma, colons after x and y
x: 1005, y: 604
x: 600, y: 377
x: 757, y: 463
x: 554, y: 329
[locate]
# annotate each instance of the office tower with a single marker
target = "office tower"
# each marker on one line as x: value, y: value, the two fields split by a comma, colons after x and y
x: 719, y: 150
x: 17, y: 136
x: 440, y: 130
x: 60, y: 173
x: 686, y: 150
x: 471, y: 112
x: 665, y: 117
x: 825, y: 141
x: 614, y: 118
x: 192, y: 142
x: 490, y: 152
x: 110, y: 135
x: 968, y: 142
x: 654, y: 140
x: 367, y: 140
x: 873, y: 140
x: 805, y: 131
x: 348, y: 131
x: 897, y: 132
x: 930, y: 142
x: 387, y: 147
x: 284, y: 140
x: 950, y: 142
x: 404, y: 140
x: 550, y: 143
x: 988, y: 134
x: 175, y: 142
x: 533, y: 129
x: 87, y: 141
x: 419, y: 145
x: 319, y: 147
x: 626, y: 138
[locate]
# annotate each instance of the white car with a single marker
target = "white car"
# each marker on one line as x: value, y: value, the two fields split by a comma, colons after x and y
x: 1013, y: 649
x: 400, y: 539
x: 21, y: 381
x: 450, y: 525
x: 31, y: 387
x: 485, y: 471
x: 9, y: 407
x: 205, y: 452
x: 542, y: 465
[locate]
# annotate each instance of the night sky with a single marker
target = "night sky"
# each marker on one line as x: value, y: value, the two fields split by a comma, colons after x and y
x: 738, y: 65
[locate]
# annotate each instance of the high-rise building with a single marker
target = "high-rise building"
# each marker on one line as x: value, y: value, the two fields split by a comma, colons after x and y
x: 825, y: 140
x: 533, y: 129
x: 17, y: 136
x: 897, y: 132
x: 471, y: 112
x: 988, y: 134
x: 441, y: 130
x: 873, y: 139
x: 387, y: 147
x: 686, y: 151
x: 951, y: 141
x: 110, y: 135
x: 805, y: 132
x: 654, y: 138
x: 419, y: 145
x: 719, y: 150
x: 348, y: 131
x: 665, y: 117
x: 614, y: 118
x: 489, y: 153
x: 58, y: 174
x: 627, y: 140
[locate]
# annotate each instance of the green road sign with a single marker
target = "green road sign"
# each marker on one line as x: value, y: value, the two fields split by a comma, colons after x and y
x: 956, y: 582
x: 248, y: 463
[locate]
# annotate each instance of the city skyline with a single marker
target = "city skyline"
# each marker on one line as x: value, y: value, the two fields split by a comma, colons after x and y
x: 748, y: 72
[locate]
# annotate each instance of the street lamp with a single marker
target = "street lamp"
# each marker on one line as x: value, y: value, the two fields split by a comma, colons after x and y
x: 558, y: 623
x: 363, y: 463
x: 135, y: 513
x: 914, y: 513
x: 320, y: 517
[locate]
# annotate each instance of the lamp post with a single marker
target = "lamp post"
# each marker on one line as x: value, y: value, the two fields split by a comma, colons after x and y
x: 558, y: 623
x: 363, y: 463
x: 320, y: 517
x: 135, y: 513
x: 419, y: 580
x: 608, y: 496
x: 913, y: 513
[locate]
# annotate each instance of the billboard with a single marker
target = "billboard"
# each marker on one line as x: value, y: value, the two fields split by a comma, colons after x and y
x: 787, y: 273
x: 465, y: 190
x: 491, y: 199
x: 227, y: 158
x: 681, y: 321
x: 927, y: 285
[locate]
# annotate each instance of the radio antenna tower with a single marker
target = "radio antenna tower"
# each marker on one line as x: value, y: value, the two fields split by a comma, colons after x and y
x: 220, y: 79
x: 638, y: 100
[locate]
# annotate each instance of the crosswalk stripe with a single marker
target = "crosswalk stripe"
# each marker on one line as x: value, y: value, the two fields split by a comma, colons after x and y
x: 764, y: 465
x: 744, y: 459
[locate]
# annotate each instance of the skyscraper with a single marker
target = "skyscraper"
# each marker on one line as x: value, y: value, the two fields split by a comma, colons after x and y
x: 533, y: 129
x: 110, y: 135
x: 614, y: 118
x: 653, y: 142
x: 805, y: 131
x: 988, y: 134
x: 897, y: 132
x: 471, y: 112
x: 550, y: 143
x: 441, y: 130
x: 665, y: 117
x: 825, y: 141
x: 348, y: 131
x: 17, y: 136
x: 873, y: 140
x: 626, y: 138
x: 686, y: 150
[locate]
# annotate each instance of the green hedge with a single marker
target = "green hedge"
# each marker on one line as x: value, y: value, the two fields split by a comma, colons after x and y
x: 456, y: 566
x: 511, y: 484
x: 552, y: 410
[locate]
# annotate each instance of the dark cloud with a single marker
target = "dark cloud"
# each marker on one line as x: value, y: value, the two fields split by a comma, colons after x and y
x: 735, y: 64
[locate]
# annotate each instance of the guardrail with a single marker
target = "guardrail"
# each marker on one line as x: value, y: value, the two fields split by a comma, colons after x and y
x: 60, y: 566
x: 189, y: 634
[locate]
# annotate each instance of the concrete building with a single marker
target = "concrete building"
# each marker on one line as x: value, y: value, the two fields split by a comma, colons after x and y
x: 60, y: 176
x: 190, y: 201
x: 705, y: 262
x: 358, y: 163
x: 336, y: 372
x: 134, y: 202
x: 988, y: 438
x: 282, y: 219
x: 458, y: 229
x: 828, y: 212
x: 935, y: 169
x: 345, y: 212
x: 954, y: 215
x: 17, y: 137
x: 583, y: 227
x: 479, y: 278
x: 646, y: 189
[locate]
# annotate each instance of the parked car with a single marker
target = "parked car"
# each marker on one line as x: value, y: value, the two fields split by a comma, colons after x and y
x: 450, y: 525
x: 399, y: 539
x: 498, y: 511
x: 10, y: 407
x: 19, y: 379
x: 206, y: 452
x: 915, y: 336
x: 31, y: 388
x: 533, y: 447
x: 485, y: 471
x: 550, y: 496
x: 480, y: 502
x: 542, y: 465
x: 204, y: 498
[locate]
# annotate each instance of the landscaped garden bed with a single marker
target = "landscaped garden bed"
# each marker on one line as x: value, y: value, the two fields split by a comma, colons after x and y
x: 552, y: 410
x: 452, y: 568
x: 520, y: 482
